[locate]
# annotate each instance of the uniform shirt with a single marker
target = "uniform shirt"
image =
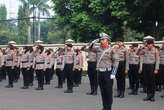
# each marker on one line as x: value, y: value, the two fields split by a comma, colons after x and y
x: 1, y: 59
x: 39, y: 61
x: 133, y: 58
x: 109, y: 59
x: 69, y: 57
x: 149, y: 57
x: 78, y: 62
x: 16, y: 59
x: 9, y: 58
x: 161, y: 54
x: 92, y: 57
x: 123, y: 56
x: 47, y: 60
x: 59, y: 62
x: 25, y: 60
x: 31, y: 58
x: 52, y: 61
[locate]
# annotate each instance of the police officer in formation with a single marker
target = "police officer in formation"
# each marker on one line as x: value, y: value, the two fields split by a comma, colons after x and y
x: 133, y: 67
x: 122, y: 69
x: 150, y: 57
x: 92, y: 72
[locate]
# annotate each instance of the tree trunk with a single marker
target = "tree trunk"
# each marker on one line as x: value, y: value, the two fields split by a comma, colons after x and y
x: 38, y: 25
x: 29, y: 27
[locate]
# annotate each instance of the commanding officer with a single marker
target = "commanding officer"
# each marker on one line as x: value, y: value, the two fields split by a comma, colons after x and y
x: 150, y: 57
x: 92, y: 73
x: 161, y: 67
x: 133, y: 64
x: 107, y: 63
x: 9, y: 65
x: 68, y: 60
x: 25, y: 67
x: 122, y: 69
x: 40, y: 64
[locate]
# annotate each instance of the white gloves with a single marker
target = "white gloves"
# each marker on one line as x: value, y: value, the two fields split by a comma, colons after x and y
x: 112, y: 76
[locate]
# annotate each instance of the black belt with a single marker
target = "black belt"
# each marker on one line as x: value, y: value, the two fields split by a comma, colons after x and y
x: 39, y: 62
x: 24, y: 61
x: 9, y: 59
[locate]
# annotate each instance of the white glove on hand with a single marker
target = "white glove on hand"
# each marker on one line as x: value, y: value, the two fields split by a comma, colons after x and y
x: 93, y: 42
x: 112, y: 76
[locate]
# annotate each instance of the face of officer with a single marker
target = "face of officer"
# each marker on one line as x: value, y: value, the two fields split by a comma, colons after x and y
x: 150, y: 46
x: 104, y: 42
x: 69, y: 48
x: 120, y: 43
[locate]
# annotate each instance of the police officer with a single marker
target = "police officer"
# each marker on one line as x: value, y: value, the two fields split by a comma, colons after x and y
x: 48, y: 67
x: 60, y: 67
x: 91, y: 70
x: 107, y: 63
x: 52, y: 62
x: 40, y: 66
x: 122, y: 69
x: 1, y: 64
x: 150, y: 57
x: 25, y: 67
x: 31, y: 63
x: 68, y: 60
x: 133, y: 65
x: 9, y: 65
x: 77, y: 67
x: 16, y: 62
x: 161, y: 66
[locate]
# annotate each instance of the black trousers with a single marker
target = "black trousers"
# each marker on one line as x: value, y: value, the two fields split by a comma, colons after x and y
x: 4, y: 72
x: 161, y: 74
x: 10, y: 75
x: 40, y: 77
x: 31, y: 75
x: 149, y: 78
x: 77, y: 76
x: 26, y: 76
x: 120, y: 76
x: 133, y: 71
x: 60, y: 75
x: 16, y: 73
x: 52, y: 72
x: 47, y: 75
x: 106, y: 88
x: 69, y: 75
x: 92, y: 74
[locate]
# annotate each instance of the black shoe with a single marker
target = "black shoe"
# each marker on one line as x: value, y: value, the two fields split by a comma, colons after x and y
x: 24, y: 87
x: 147, y: 98
x: 162, y: 96
x: 31, y: 84
x: 39, y: 88
x: 89, y: 93
x: 9, y: 86
x: 131, y: 93
x: 68, y: 91
x: 122, y: 95
x: 94, y: 93
x: 152, y: 99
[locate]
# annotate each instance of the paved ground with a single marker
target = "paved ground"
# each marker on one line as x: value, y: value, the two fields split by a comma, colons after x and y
x: 54, y: 99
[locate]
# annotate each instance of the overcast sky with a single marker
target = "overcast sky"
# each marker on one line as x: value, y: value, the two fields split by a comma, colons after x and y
x: 12, y: 7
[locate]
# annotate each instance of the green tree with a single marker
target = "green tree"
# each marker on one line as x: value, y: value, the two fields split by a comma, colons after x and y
x: 22, y: 26
x: 3, y: 16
